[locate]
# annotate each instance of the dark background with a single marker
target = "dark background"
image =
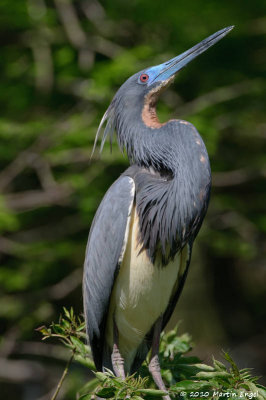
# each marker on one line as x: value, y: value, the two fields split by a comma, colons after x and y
x: 61, y: 62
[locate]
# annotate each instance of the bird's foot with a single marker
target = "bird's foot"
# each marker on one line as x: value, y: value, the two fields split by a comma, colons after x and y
x: 118, y: 362
x: 155, y: 370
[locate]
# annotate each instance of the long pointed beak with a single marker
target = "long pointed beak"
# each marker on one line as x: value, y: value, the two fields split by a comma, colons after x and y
x: 174, y: 65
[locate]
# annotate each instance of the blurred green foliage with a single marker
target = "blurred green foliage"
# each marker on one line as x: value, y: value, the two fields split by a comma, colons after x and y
x: 61, y: 62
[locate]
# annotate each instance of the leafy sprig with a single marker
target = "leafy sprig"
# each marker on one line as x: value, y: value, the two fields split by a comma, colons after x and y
x: 185, y: 376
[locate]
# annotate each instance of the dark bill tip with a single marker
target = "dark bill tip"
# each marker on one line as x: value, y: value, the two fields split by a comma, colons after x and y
x: 171, y: 67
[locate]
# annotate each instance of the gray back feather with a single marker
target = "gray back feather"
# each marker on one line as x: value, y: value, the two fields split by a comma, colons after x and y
x: 105, y: 244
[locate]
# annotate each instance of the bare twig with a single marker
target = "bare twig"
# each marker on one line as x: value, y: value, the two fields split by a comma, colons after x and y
x: 48, y: 395
x: 60, y: 383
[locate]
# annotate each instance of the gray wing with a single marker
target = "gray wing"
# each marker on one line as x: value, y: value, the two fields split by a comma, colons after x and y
x: 104, y: 253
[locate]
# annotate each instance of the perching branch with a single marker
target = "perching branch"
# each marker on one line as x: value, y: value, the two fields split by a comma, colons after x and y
x: 184, y: 375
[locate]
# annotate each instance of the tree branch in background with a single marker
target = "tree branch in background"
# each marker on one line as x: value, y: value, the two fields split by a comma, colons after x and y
x: 219, y: 95
x: 63, y: 288
x: 22, y: 160
x: 66, y: 226
x: 31, y: 199
x: 44, y: 141
x: 71, y: 24
x: 21, y: 370
x: 75, y: 33
x: 43, y: 64
x: 44, y: 172
x: 94, y: 11
x: 236, y: 177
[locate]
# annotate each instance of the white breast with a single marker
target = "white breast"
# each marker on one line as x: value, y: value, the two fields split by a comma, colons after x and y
x: 140, y: 295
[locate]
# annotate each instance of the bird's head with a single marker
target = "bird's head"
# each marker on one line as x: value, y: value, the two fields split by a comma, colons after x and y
x: 133, y: 108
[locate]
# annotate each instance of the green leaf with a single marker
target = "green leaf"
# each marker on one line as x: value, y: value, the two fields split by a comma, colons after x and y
x: 79, y: 345
x: 120, y: 392
x: 204, y: 367
x: 262, y: 392
x: 233, y: 364
x: 71, y: 313
x: 188, y: 385
x: 87, y: 362
x: 65, y: 324
x: 152, y: 392
x: 58, y: 329
x: 251, y: 386
x: 189, y: 360
x: 215, y: 374
x: 219, y: 365
x: 67, y: 314
x: 85, y: 397
x: 81, y: 327
x: 101, y: 376
x: 44, y: 331
x: 106, y: 393
x: 88, y: 387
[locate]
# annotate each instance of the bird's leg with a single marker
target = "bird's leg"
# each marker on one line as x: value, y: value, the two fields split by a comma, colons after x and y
x: 154, y: 364
x: 117, y: 359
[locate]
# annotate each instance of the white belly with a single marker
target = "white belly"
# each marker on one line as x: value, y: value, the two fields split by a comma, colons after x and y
x: 140, y: 295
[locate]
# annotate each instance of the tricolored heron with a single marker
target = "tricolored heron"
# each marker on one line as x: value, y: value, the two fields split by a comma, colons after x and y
x: 140, y: 242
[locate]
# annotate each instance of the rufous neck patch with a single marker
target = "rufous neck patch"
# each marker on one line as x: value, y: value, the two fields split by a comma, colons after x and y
x: 149, y: 115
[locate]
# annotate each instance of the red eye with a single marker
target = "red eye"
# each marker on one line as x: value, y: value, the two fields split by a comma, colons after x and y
x: 144, y: 77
